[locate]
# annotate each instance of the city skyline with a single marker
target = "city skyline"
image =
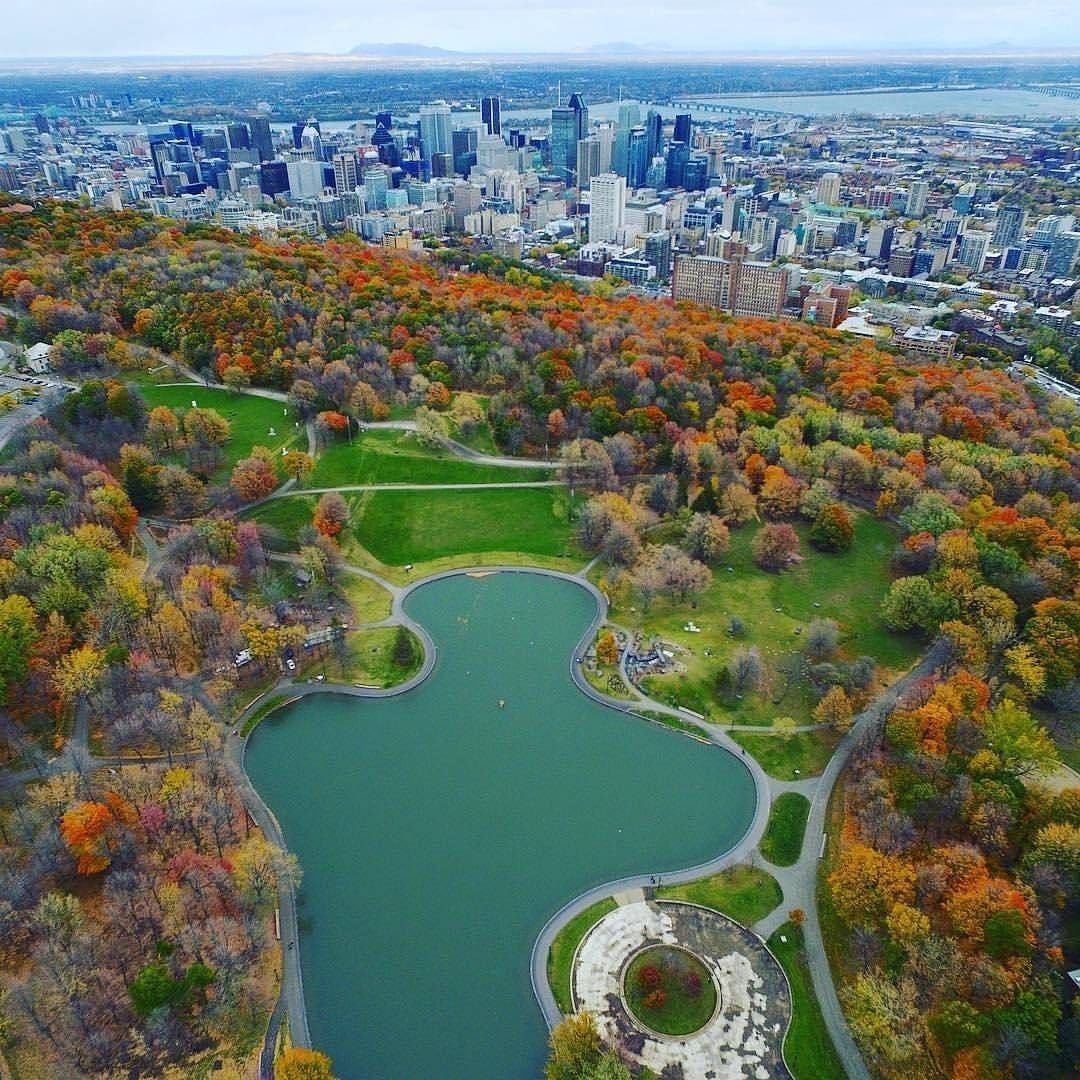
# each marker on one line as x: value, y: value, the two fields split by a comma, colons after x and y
x: 328, y: 28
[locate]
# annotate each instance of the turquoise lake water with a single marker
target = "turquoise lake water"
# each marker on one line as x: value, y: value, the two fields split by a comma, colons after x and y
x: 438, y: 831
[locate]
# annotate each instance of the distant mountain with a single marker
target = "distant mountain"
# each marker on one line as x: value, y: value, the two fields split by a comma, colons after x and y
x: 615, y: 48
x: 399, y: 48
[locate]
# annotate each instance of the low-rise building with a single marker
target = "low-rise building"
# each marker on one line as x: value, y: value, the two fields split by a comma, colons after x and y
x: 929, y: 341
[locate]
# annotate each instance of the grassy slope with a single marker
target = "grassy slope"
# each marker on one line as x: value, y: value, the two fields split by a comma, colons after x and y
x: 399, y: 527
x: 847, y: 587
x: 397, y: 457
x: 783, y: 839
x: 369, y: 659
x: 808, y: 1049
x: 561, y: 954
x: 744, y: 893
x: 370, y: 602
x: 790, y: 757
x: 250, y: 418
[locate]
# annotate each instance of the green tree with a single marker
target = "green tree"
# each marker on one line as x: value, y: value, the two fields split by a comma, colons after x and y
x: 913, y: 603
x: 1019, y: 740
x: 17, y: 634
x: 404, y: 648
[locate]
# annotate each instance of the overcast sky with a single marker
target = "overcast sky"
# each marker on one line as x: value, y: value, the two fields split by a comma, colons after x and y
x: 234, y: 27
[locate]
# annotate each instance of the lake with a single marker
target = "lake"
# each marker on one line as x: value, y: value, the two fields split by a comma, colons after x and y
x: 438, y: 830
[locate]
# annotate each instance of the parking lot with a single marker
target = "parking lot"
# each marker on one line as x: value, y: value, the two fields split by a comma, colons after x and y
x: 32, y: 393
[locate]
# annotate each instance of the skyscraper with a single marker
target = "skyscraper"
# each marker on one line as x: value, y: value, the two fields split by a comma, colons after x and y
x: 489, y: 115
x: 569, y: 125
x: 682, y: 128
x: 436, y: 132
x: 607, y: 207
x: 262, y: 138
x: 677, y: 156
x: 629, y: 116
x: 588, y: 161
x: 654, y: 131
x: 464, y: 142
x: 637, y: 157
x: 239, y: 137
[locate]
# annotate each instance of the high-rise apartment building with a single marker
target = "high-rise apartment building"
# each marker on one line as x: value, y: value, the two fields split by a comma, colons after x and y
x: 972, y: 252
x: 917, y: 195
x: 700, y: 278
x: 734, y: 283
x: 1064, y: 252
x: 1008, y: 227
x: 607, y: 207
x: 346, y: 175
x: 489, y: 115
x: 828, y: 189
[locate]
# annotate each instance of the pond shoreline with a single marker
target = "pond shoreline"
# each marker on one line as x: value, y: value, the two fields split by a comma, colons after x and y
x: 291, y: 1002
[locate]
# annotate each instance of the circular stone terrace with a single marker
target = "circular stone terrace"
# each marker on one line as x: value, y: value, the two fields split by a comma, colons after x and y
x: 745, y: 1036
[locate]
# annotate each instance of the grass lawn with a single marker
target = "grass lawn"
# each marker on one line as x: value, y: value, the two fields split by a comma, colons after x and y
x: 400, y: 527
x: 667, y: 720
x: 808, y: 1049
x: 790, y: 757
x: 834, y: 930
x: 286, y: 517
x: 783, y: 839
x: 370, y: 602
x: 775, y: 610
x: 250, y: 418
x: 398, y: 457
x: 606, y: 679
x: 744, y: 893
x: 669, y: 990
x: 368, y: 659
x: 264, y: 710
x: 561, y: 953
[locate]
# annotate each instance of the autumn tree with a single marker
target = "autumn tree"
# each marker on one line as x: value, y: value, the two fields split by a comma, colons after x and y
x: 834, y: 709
x: 297, y: 465
x: 299, y: 1063
x: 254, y: 477
x: 607, y: 648
x: 706, y: 538
x: 832, y: 529
x: 331, y: 514
x: 775, y: 546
